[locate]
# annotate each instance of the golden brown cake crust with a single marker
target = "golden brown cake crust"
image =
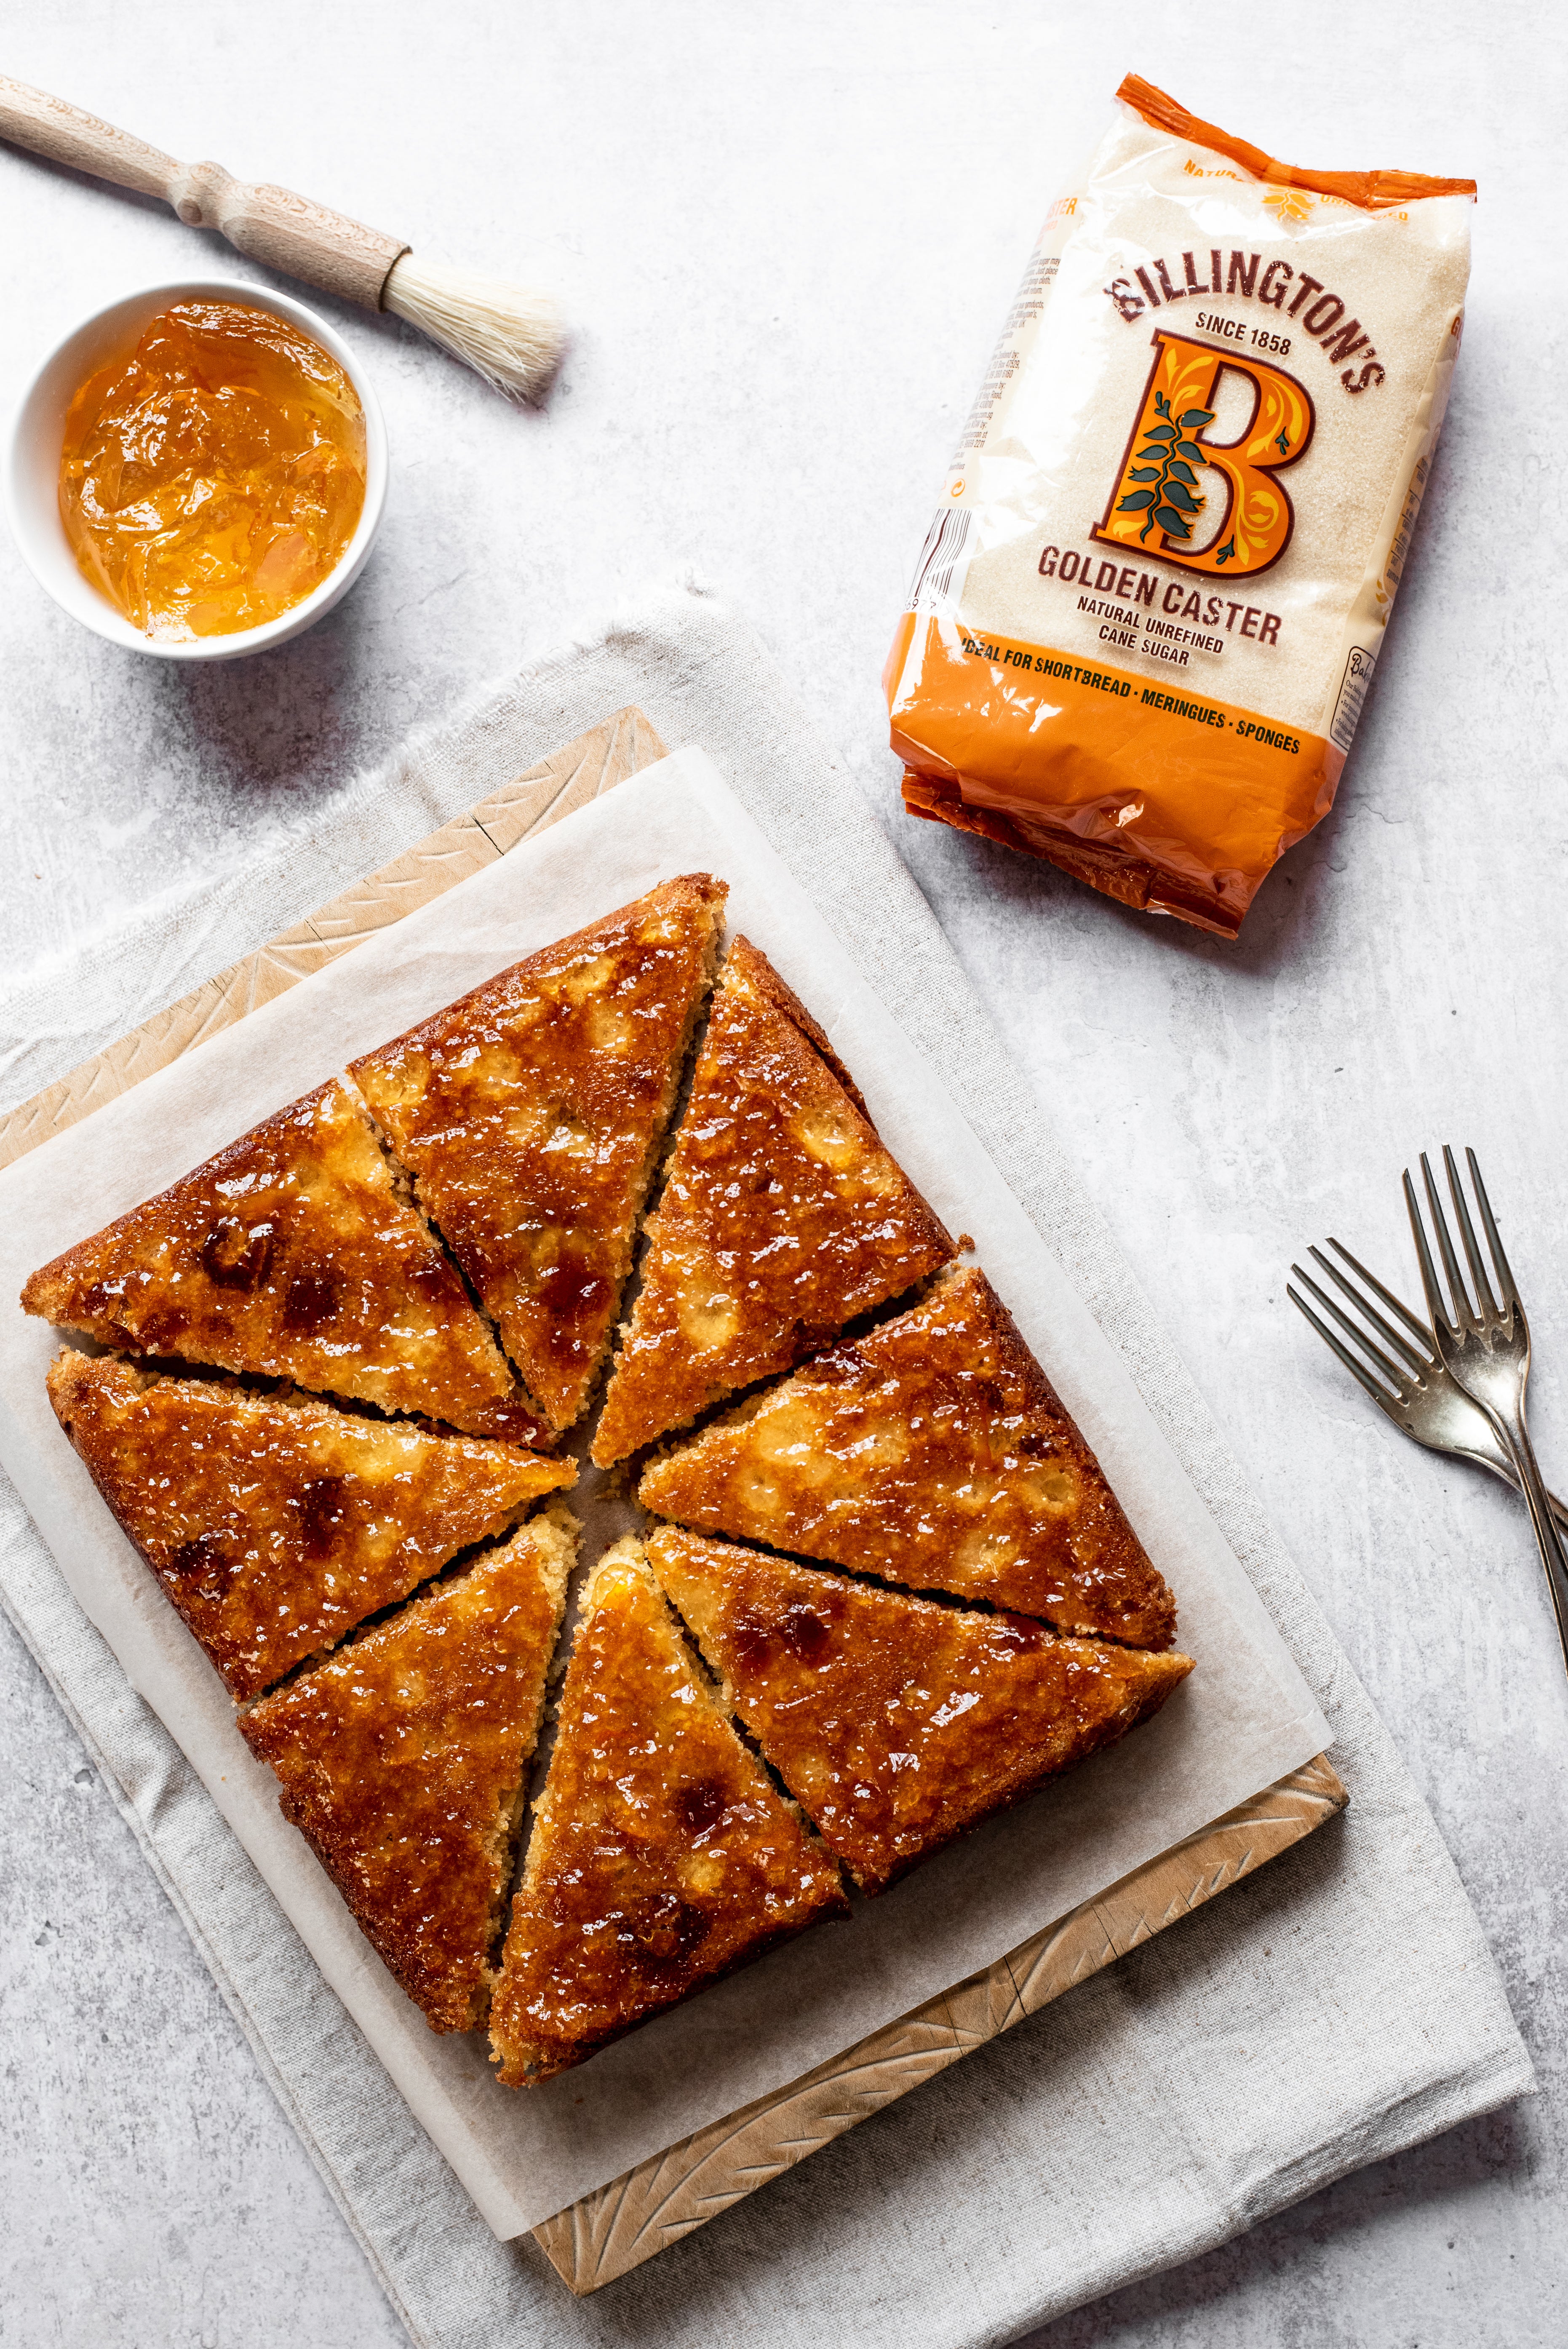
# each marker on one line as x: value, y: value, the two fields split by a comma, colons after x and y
x: 782, y: 1218
x: 896, y: 1723
x: 933, y: 1452
x: 660, y: 1856
x: 749, y: 963
x: 276, y: 1526
x: 531, y: 1113
x: 290, y: 1255
x: 402, y: 1761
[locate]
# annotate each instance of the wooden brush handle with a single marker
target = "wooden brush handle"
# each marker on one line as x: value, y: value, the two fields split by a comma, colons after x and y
x: 285, y: 232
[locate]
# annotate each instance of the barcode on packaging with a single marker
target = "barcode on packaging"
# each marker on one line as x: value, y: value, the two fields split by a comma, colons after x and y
x: 1358, y: 668
x: 944, y: 563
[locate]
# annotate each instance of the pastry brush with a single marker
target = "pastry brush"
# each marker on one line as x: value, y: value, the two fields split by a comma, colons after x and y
x: 510, y: 336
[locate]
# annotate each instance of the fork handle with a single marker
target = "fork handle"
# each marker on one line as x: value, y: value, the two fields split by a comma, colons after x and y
x: 1504, y: 1469
x: 1544, y: 1511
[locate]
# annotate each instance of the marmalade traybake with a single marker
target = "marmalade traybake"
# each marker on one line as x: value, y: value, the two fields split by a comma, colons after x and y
x: 531, y: 1113
x: 928, y: 1448
x: 661, y: 1855
x: 895, y: 1721
x: 275, y: 1525
x: 782, y: 1217
x: 404, y: 1760
x: 933, y: 1452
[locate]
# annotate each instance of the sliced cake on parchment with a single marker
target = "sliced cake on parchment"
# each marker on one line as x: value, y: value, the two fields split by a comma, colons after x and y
x: 660, y: 1855
x: 276, y: 1525
x: 531, y: 1113
x: 897, y: 1722
x: 291, y: 1255
x: 404, y: 1761
x: 933, y: 1452
x: 782, y: 1217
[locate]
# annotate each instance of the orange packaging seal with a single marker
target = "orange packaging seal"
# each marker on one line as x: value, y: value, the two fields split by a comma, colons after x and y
x: 1151, y: 601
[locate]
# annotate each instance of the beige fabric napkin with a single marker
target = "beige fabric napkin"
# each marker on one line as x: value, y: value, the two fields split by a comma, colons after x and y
x: 1336, y: 2006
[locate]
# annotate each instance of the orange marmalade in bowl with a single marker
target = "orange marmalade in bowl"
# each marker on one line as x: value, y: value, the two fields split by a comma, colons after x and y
x: 214, y: 476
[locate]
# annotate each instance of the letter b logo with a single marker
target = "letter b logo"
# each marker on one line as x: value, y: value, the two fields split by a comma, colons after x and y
x: 1167, y: 493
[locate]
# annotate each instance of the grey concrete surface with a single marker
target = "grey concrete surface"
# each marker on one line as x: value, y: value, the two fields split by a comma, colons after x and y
x: 786, y: 238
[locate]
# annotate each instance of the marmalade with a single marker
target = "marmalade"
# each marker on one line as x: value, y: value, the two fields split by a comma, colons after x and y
x: 931, y: 1451
x: 898, y: 1723
x: 276, y: 1525
x: 210, y: 480
x: 661, y: 1856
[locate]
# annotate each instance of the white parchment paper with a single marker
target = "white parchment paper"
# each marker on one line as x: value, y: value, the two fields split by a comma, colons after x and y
x: 1244, y: 1718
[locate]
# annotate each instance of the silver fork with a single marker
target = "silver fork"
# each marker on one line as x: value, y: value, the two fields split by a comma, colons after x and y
x: 1414, y: 1390
x: 1485, y: 1348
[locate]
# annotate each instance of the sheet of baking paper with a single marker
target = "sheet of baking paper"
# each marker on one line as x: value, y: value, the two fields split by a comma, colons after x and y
x: 1244, y: 1719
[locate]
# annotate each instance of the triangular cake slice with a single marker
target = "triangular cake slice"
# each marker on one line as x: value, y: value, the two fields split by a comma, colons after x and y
x: 897, y: 1722
x: 933, y: 1452
x: 276, y: 1525
x: 291, y: 1255
x: 660, y: 1855
x: 531, y: 1114
x: 404, y: 1761
x: 782, y: 1217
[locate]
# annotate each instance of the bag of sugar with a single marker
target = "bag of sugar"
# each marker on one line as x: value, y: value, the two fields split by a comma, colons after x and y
x: 1148, y: 610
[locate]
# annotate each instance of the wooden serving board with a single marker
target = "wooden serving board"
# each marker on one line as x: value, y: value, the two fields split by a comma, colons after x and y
x: 613, y: 2229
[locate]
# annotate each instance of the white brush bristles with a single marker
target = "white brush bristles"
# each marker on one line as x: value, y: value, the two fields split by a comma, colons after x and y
x: 512, y: 338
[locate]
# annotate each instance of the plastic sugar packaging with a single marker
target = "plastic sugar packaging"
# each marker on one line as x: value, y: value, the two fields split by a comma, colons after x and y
x: 1145, y: 618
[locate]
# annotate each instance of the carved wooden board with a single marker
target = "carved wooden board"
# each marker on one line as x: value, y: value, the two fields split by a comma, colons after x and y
x: 628, y: 2221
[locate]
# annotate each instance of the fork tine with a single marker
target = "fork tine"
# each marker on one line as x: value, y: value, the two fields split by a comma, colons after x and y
x: 1389, y: 1370
x: 1420, y: 1363
x: 1488, y: 1310
x: 1510, y: 1294
x: 1396, y: 1305
x: 1377, y: 1393
x: 1452, y: 1273
x: 1436, y: 1306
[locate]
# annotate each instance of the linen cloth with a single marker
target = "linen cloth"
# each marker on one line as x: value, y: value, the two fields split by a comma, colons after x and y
x: 1336, y: 2007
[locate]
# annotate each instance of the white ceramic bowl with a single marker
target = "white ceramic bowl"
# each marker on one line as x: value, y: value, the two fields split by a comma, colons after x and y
x: 30, y: 482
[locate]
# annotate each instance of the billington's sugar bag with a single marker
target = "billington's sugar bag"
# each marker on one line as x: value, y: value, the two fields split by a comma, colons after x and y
x: 1150, y: 602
